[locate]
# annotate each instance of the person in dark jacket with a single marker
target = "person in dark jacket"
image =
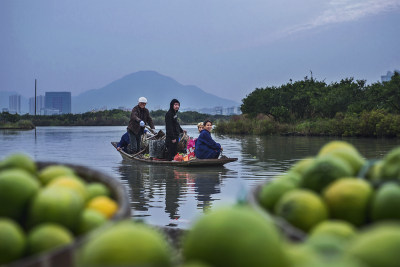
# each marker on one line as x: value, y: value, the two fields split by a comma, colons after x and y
x: 206, y: 147
x: 124, y: 143
x: 172, y: 128
x: 140, y: 115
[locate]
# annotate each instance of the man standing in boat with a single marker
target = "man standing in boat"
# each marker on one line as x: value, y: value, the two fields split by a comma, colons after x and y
x: 172, y: 128
x: 140, y: 115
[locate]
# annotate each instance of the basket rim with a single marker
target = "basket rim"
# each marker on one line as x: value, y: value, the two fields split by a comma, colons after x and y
x: 67, y: 253
x: 286, y: 228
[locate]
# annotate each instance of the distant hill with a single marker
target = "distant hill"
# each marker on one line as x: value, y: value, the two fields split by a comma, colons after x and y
x: 158, y: 89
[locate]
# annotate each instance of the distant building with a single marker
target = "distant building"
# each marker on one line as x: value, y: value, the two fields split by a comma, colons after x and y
x: 50, y: 111
x: 228, y: 111
x: 124, y: 108
x: 231, y: 111
x: 39, y: 105
x: 60, y: 101
x: 14, y: 104
x: 237, y: 110
x: 218, y: 110
x: 388, y: 76
x: 103, y: 108
x: 4, y: 110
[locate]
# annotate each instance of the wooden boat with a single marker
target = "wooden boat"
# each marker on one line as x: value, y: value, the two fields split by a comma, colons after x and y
x: 190, y: 163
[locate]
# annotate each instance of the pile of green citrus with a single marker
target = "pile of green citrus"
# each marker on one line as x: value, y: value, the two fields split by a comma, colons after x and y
x: 348, y: 206
x: 41, y: 210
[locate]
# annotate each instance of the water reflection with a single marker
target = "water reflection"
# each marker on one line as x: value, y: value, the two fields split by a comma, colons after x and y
x: 61, y: 134
x: 9, y: 132
x: 153, y: 187
x: 278, y: 148
x: 278, y: 153
x: 162, y: 195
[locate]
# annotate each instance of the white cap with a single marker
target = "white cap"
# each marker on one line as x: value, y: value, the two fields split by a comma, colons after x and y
x: 142, y: 99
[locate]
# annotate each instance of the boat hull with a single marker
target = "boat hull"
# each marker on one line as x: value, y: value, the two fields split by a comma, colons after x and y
x: 190, y: 163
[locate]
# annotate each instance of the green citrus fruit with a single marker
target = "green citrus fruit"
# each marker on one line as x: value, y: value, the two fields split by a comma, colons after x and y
x: 302, y: 165
x: 105, y: 205
x: 386, y: 203
x: 90, y: 220
x: 348, y: 200
x: 126, y: 243
x: 17, y: 188
x: 234, y: 236
x: 377, y: 246
x: 48, y: 236
x: 12, y: 241
x: 71, y: 183
x: 327, y: 246
x: 391, y: 165
x: 56, y: 205
x: 323, y: 171
x: 293, y: 177
x: 374, y: 171
x: 302, y: 208
x: 335, y: 260
x: 20, y: 161
x: 271, y: 192
x: 337, y: 228
x: 301, y: 255
x: 354, y: 159
x: 97, y: 189
x: 53, y: 171
x: 346, y: 151
x: 336, y: 145
x: 195, y: 264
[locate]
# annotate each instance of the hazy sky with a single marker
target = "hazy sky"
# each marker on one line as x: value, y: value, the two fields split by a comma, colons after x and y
x: 225, y: 47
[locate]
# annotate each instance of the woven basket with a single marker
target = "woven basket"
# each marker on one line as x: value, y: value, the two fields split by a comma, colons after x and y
x: 286, y: 228
x: 65, y: 256
x: 182, y: 145
x: 157, y: 148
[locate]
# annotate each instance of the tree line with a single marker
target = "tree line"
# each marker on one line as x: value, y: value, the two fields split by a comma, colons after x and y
x: 311, y: 99
x: 114, y: 117
x: 311, y: 107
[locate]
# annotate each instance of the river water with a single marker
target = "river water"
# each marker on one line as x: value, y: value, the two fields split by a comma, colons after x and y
x: 175, y: 196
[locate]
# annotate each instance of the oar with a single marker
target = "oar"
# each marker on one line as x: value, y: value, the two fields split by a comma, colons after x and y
x: 140, y: 152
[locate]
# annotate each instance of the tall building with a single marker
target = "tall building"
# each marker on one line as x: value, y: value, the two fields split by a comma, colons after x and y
x: 218, y: 110
x: 60, y: 101
x: 39, y: 105
x: 388, y: 76
x: 14, y: 104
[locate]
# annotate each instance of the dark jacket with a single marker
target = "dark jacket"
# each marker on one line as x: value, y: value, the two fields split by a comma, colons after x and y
x: 206, y: 147
x: 172, y: 126
x: 138, y: 115
x: 125, y: 141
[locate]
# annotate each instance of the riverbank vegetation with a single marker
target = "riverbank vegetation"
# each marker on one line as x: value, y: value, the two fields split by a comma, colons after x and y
x: 312, y: 107
x: 376, y: 123
x: 21, y: 124
x: 113, y: 117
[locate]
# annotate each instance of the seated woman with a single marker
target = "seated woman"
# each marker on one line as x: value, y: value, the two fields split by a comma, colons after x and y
x: 206, y: 147
x: 192, y: 141
x: 200, y: 126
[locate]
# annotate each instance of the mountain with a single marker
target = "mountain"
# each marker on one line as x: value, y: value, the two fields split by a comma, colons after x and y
x: 158, y: 89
